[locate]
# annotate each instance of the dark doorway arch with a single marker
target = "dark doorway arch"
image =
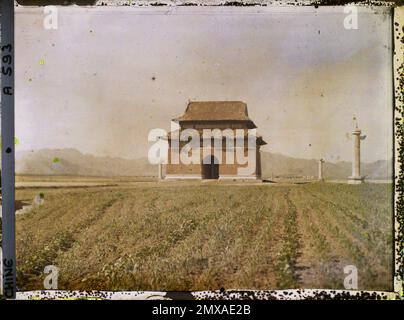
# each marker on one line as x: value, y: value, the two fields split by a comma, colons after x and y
x: 210, y: 168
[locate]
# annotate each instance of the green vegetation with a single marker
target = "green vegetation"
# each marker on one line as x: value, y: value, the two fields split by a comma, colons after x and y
x: 196, y: 236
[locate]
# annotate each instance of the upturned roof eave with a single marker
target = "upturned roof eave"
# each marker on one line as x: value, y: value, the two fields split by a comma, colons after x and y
x: 249, y: 121
x: 260, y: 140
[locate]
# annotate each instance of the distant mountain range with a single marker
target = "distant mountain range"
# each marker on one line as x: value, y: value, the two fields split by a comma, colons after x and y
x: 73, y: 162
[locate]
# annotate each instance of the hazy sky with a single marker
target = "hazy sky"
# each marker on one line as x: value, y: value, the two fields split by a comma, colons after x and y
x: 112, y: 74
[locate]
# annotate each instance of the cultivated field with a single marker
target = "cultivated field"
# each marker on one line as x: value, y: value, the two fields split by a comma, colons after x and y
x: 196, y: 236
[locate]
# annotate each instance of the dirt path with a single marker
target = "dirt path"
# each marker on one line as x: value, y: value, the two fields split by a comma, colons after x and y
x: 287, y: 257
x: 321, y: 261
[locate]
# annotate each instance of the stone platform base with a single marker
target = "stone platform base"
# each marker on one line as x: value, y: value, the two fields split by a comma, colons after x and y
x: 221, y: 179
x: 356, y: 180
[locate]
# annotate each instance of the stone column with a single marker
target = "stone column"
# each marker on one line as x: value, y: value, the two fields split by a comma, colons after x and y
x: 320, y: 170
x: 356, y: 161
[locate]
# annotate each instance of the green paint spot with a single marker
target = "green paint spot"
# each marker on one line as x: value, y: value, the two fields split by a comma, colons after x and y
x: 41, y: 62
x: 56, y: 160
x: 16, y: 141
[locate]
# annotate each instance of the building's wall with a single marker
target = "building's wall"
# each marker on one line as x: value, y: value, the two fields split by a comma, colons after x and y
x: 225, y: 170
